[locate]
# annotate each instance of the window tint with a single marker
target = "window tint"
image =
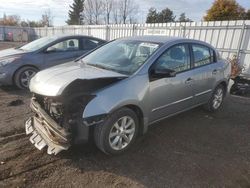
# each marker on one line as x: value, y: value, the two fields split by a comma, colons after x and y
x: 67, y: 45
x: 89, y: 44
x: 202, y: 55
x: 176, y: 58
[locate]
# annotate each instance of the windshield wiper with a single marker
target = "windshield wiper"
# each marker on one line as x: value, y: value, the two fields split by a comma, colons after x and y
x: 108, y: 68
x: 99, y: 66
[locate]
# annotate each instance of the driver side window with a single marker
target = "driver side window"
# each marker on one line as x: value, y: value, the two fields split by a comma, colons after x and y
x: 175, y: 58
x: 64, y: 46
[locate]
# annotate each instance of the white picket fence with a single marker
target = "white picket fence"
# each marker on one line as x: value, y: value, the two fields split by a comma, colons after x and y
x: 229, y: 37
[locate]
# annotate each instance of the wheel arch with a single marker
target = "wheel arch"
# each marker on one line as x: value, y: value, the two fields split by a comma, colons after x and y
x: 224, y: 84
x: 140, y: 116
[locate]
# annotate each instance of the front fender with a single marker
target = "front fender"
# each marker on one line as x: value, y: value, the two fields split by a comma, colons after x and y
x: 132, y: 91
x: 101, y: 105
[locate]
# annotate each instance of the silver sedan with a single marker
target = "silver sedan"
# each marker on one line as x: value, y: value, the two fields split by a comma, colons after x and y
x: 121, y: 88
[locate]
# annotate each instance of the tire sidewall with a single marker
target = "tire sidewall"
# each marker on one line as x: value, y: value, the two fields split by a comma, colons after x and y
x: 211, y: 107
x: 108, y: 124
x: 17, y: 77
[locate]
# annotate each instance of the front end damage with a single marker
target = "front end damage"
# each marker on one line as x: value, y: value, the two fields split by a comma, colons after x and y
x: 45, y: 131
x: 58, y: 120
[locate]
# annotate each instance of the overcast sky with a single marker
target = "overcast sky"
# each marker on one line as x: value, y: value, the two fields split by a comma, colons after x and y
x: 33, y: 9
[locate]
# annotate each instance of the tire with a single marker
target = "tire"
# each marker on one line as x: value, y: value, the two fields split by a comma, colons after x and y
x: 114, y: 141
x: 216, y: 100
x: 23, y: 76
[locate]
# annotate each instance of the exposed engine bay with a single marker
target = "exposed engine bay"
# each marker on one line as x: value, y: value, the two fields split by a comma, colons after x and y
x: 58, y: 121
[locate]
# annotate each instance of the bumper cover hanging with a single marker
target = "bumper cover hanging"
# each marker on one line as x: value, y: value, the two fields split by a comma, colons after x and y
x: 46, y: 132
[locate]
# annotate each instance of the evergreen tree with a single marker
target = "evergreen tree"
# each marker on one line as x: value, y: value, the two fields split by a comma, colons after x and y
x: 247, y: 15
x: 166, y: 15
x: 75, y: 14
x: 184, y: 18
x: 152, y: 16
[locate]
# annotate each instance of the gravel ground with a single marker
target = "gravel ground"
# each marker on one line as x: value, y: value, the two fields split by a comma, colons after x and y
x: 193, y: 149
x: 4, y: 45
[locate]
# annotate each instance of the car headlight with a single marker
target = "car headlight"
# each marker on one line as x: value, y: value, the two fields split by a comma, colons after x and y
x: 6, y: 61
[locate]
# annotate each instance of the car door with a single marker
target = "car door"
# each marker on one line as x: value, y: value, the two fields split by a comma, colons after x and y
x: 173, y: 94
x: 61, y: 52
x: 204, y: 69
x: 87, y: 44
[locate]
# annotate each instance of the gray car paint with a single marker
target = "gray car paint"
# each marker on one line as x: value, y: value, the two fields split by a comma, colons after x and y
x: 39, y: 58
x: 52, y: 81
x: 155, y: 99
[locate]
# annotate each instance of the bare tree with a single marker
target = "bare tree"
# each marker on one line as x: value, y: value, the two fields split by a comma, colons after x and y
x: 108, y: 7
x: 98, y: 10
x: 10, y: 20
x: 127, y: 9
x: 93, y: 11
x: 88, y: 11
x: 47, y: 18
x: 132, y: 19
x: 115, y: 11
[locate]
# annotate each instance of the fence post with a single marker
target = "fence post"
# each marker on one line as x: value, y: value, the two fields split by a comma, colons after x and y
x: 183, y: 29
x: 241, y: 40
x: 134, y: 30
x: 4, y: 35
x: 107, y: 33
x: 89, y: 31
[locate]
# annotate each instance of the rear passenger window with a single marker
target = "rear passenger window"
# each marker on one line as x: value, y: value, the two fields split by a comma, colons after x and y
x: 89, y: 44
x: 202, y: 55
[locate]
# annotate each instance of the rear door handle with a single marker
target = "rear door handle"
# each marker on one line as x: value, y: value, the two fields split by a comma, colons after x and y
x: 189, y: 80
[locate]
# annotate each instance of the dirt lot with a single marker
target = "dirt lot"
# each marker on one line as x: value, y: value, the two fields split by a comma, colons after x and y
x: 193, y: 149
x: 4, y: 45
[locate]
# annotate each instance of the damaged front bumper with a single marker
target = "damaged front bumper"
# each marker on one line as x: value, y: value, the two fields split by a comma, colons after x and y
x: 46, y: 132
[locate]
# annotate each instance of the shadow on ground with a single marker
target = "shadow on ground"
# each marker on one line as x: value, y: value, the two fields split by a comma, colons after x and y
x: 193, y: 149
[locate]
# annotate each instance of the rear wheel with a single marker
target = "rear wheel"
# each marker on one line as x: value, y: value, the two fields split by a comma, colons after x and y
x: 216, y: 99
x: 118, y: 132
x: 23, y: 76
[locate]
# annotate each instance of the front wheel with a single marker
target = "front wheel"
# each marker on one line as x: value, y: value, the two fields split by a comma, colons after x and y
x: 118, y: 132
x: 23, y: 76
x: 216, y: 99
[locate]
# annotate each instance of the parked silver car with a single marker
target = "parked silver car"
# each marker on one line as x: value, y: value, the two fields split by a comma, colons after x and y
x: 18, y: 65
x: 121, y: 88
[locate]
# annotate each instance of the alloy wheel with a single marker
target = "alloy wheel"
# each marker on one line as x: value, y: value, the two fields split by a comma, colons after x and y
x: 26, y: 76
x: 121, y: 133
x: 218, y: 98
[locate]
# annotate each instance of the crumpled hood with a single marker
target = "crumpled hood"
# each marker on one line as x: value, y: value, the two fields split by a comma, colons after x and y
x: 52, y: 81
x: 10, y: 52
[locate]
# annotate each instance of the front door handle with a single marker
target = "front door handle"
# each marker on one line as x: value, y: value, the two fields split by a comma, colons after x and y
x: 215, y: 71
x: 189, y: 80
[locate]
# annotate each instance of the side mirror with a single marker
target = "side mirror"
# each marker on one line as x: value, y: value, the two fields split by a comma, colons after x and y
x: 162, y: 73
x: 50, y: 50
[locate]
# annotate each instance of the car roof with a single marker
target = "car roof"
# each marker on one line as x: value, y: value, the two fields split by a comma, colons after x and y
x: 153, y: 38
x: 164, y: 39
x: 65, y: 36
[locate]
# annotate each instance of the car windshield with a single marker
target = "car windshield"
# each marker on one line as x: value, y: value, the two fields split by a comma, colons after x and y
x: 37, y: 44
x: 122, y: 56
